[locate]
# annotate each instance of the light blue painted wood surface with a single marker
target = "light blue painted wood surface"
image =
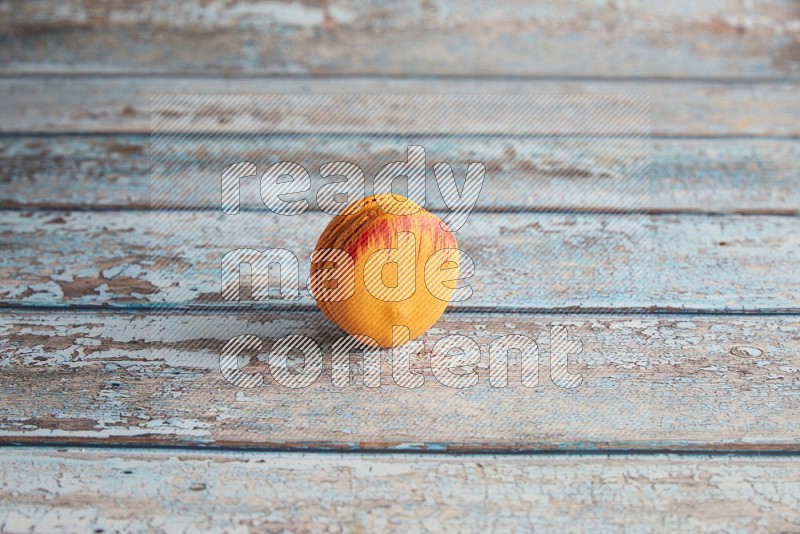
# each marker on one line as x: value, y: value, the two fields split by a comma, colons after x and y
x: 692, y: 375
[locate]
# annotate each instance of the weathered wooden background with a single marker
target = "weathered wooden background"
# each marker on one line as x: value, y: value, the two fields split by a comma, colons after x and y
x: 689, y: 414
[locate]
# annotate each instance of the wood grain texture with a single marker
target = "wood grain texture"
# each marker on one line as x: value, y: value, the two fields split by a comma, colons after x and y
x: 184, y: 491
x: 671, y: 382
x: 577, y: 260
x: 98, y: 104
x: 697, y: 175
x: 719, y: 38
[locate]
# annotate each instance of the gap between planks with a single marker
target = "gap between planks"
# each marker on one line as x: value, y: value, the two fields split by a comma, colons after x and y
x: 452, y: 450
x: 252, y: 307
x: 644, y: 79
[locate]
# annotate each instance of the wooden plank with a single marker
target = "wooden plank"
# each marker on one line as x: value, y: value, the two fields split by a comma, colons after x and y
x: 585, y: 261
x: 420, y: 114
x: 57, y: 104
x: 48, y: 490
x: 698, y: 175
x: 671, y: 382
x: 720, y: 38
